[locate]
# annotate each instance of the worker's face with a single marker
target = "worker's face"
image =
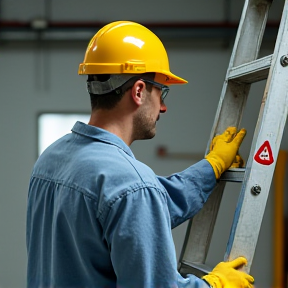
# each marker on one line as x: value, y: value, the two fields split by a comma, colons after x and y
x: 148, y: 114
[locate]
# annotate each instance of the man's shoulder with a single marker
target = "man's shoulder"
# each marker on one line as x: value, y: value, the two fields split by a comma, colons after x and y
x: 123, y: 172
x: 126, y: 177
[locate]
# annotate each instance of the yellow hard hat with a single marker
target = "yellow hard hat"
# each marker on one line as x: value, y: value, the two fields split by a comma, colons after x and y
x: 125, y: 47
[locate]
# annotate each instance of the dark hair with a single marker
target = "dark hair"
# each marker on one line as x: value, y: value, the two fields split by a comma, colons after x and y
x: 111, y: 99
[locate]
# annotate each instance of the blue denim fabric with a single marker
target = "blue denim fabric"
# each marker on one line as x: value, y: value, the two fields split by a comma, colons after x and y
x: 98, y: 218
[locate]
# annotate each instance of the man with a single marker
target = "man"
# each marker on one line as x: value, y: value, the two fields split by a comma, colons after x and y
x: 97, y: 217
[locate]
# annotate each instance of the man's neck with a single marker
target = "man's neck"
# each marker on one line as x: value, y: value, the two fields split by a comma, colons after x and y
x: 115, y: 122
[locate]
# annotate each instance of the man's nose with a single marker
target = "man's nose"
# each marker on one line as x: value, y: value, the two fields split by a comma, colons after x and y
x: 163, y: 107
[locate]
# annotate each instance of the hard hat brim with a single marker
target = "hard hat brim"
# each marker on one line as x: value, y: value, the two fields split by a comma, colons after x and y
x: 168, y: 78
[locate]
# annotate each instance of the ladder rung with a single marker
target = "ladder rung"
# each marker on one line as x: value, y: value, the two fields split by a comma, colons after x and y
x: 197, y: 269
x: 233, y: 175
x: 251, y: 72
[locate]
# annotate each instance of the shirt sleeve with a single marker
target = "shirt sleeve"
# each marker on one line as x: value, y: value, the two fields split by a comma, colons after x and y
x: 188, y: 191
x: 137, y: 229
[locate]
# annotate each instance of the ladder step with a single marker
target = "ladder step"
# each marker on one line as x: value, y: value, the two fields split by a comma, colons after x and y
x: 233, y: 175
x: 251, y: 72
x: 197, y: 269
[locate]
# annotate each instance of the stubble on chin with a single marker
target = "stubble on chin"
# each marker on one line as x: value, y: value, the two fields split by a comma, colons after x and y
x: 144, y: 127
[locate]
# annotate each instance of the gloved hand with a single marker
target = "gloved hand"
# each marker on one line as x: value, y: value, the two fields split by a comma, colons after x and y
x: 238, y: 162
x: 223, y: 150
x: 225, y: 275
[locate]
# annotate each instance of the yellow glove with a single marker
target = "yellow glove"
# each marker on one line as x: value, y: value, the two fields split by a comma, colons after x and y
x: 225, y: 275
x: 238, y: 162
x: 223, y: 150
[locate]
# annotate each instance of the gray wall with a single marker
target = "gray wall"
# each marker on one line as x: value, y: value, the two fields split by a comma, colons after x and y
x: 37, y: 78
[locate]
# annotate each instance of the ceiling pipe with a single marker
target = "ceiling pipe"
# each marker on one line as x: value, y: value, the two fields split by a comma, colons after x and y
x: 13, y: 24
x: 12, y: 30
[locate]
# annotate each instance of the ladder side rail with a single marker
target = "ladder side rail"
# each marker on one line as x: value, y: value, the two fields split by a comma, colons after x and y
x: 246, y: 48
x: 270, y: 125
x: 198, y: 236
x: 231, y: 108
x: 249, y: 37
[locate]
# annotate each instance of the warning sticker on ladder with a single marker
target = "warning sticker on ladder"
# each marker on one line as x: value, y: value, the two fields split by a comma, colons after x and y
x: 264, y: 154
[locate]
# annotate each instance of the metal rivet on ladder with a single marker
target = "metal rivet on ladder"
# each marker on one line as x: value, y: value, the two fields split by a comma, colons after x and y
x: 284, y: 60
x: 256, y: 189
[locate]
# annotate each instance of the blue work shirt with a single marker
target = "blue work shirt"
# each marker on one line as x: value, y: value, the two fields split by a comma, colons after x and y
x: 98, y: 218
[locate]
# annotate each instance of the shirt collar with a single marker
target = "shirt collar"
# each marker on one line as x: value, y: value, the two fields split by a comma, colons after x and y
x: 101, y: 135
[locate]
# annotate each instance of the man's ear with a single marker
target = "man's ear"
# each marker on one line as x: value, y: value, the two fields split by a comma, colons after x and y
x: 137, y: 92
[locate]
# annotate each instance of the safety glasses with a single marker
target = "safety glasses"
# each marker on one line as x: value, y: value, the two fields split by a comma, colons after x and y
x: 164, y: 89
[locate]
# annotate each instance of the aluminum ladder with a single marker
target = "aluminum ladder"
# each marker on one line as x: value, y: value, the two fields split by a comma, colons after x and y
x: 244, y: 69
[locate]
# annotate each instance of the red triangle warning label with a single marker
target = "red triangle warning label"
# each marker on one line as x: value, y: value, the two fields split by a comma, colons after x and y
x: 264, y: 154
